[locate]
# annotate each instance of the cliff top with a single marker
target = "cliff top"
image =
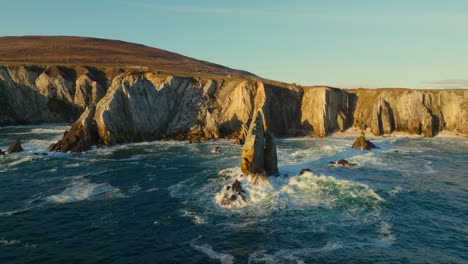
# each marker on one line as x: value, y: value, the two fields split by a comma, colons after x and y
x: 68, y: 50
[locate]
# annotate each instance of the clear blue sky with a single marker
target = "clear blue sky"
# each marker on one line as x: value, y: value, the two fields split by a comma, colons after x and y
x: 343, y: 43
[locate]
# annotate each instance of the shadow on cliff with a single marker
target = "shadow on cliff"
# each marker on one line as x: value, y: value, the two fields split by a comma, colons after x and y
x: 42, y: 108
x: 231, y: 128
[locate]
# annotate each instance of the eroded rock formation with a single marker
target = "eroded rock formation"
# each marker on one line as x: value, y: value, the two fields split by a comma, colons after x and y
x: 259, y: 150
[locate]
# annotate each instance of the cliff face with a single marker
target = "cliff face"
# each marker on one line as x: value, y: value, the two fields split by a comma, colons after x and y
x: 33, y: 94
x: 130, y: 106
x: 326, y: 109
x: 413, y: 111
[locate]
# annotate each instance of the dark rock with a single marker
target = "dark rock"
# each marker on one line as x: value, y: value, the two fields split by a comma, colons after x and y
x: 304, y: 171
x: 271, y: 159
x: 361, y: 143
x: 341, y: 162
x: 15, y: 147
x: 236, y: 187
x: 194, y: 140
x: 236, y: 192
x: 239, y: 141
x: 81, y: 146
x: 216, y: 149
x: 2, y: 153
x: 82, y: 133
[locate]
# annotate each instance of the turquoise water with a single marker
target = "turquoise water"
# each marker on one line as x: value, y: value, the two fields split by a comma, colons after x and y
x: 158, y: 202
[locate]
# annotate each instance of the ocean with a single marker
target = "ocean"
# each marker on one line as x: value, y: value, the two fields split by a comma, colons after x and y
x: 159, y: 202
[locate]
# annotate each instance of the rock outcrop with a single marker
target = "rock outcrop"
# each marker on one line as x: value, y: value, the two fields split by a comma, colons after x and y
x: 234, y: 193
x: 81, y: 133
x: 361, y: 143
x: 259, y: 150
x: 15, y: 147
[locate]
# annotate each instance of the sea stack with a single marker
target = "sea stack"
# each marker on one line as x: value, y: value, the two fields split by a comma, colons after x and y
x: 259, y: 152
x: 15, y: 147
x: 362, y: 143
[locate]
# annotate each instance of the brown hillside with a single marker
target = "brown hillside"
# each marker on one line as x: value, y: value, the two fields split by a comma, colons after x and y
x: 102, y: 52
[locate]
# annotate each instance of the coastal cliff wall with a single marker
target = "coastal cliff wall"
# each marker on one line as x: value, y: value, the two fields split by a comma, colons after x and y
x: 422, y: 112
x: 130, y: 105
x: 35, y: 94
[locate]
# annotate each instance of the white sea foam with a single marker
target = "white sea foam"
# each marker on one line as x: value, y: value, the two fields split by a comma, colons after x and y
x: 405, y: 165
x: 9, y: 242
x: 197, y: 219
x: 395, y: 190
x: 386, y: 235
x: 237, y: 226
x: 135, y: 188
x: 55, y: 130
x: 295, y: 156
x: 15, y: 242
x: 10, y: 213
x: 17, y: 160
x: 291, y: 255
x: 152, y: 190
x: 254, y: 193
x: 371, y: 159
x: 208, y: 250
x: 307, y: 190
x: 85, y: 190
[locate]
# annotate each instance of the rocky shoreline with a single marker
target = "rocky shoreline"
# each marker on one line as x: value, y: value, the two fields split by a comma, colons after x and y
x: 122, y: 105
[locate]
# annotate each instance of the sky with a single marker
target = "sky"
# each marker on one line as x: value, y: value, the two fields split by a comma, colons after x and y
x: 341, y: 43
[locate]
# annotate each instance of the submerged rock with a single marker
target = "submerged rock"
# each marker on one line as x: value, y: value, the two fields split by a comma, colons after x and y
x: 341, y: 162
x: 259, y: 152
x: 304, y: 171
x: 15, y: 147
x: 216, y: 149
x: 361, y: 143
x: 2, y: 153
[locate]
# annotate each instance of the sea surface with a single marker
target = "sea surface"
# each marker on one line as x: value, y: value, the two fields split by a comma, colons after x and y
x: 159, y: 202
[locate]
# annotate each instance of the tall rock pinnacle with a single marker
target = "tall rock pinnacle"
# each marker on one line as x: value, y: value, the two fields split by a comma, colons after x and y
x: 259, y: 151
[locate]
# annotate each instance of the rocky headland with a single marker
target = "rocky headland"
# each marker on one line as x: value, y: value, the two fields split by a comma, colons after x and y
x: 116, y: 105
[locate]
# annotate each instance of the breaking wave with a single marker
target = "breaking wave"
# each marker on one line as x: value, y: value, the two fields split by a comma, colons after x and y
x: 304, y: 191
x: 85, y: 190
x: 208, y: 250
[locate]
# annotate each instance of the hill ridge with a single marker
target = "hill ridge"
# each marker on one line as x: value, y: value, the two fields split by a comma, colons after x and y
x: 90, y: 51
